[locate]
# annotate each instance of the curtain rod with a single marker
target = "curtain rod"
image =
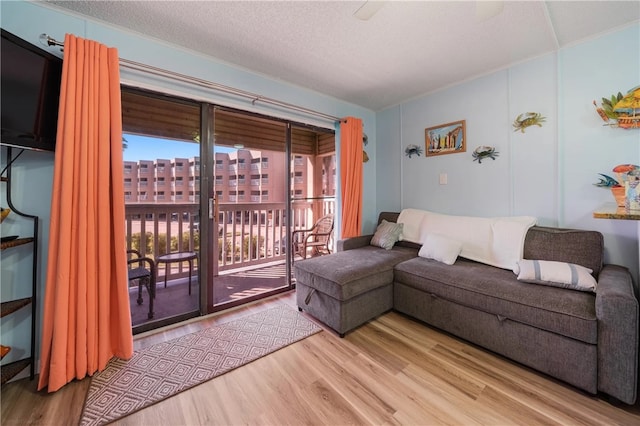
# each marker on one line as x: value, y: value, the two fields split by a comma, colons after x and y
x: 50, y: 41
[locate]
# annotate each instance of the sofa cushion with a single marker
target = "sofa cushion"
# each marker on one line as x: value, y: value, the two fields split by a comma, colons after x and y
x: 497, y: 291
x: 580, y: 247
x: 347, y: 274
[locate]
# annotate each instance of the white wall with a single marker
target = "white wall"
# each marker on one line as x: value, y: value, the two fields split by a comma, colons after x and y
x: 546, y: 172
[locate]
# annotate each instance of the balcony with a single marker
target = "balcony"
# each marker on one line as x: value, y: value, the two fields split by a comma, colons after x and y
x: 249, y: 234
x: 251, y: 237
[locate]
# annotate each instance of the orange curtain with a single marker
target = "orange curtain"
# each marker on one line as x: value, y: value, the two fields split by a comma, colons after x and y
x: 351, y: 147
x: 86, y: 308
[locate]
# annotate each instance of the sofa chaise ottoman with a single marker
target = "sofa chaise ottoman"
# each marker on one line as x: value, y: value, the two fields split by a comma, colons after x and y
x: 348, y: 288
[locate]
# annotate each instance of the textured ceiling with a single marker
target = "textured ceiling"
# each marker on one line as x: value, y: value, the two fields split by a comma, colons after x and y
x: 405, y: 50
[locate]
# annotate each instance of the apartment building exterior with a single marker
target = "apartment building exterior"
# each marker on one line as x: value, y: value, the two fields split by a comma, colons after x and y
x: 242, y: 176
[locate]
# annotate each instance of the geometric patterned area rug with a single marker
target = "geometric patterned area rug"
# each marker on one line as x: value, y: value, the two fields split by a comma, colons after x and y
x: 165, y: 369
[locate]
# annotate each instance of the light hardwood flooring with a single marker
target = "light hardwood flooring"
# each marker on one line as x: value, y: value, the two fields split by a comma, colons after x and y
x: 391, y: 371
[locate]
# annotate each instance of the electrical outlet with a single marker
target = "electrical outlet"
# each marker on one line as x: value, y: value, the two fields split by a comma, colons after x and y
x: 443, y: 178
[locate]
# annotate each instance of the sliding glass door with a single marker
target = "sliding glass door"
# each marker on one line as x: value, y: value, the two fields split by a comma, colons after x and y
x: 213, y: 197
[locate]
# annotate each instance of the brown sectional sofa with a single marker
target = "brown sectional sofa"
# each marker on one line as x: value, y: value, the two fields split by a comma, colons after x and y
x: 587, y: 340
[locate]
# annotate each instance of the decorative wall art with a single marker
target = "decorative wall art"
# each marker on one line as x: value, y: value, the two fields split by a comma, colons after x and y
x: 624, y: 173
x: 621, y: 111
x: 527, y: 119
x: 450, y: 138
x: 411, y: 150
x: 482, y: 152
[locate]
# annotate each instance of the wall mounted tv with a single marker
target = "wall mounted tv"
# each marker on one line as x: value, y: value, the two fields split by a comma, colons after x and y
x: 30, y: 94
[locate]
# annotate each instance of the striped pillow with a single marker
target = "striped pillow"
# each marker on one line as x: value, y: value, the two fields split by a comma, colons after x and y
x: 387, y: 234
x: 556, y: 274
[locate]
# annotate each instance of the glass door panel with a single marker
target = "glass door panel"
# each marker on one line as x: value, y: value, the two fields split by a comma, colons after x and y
x: 313, y: 189
x: 249, y: 224
x: 162, y: 195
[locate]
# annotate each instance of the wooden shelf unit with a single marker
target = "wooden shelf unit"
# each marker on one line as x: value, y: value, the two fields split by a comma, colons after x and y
x: 13, y: 368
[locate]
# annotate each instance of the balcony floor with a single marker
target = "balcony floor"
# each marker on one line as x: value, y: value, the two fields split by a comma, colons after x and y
x: 233, y: 285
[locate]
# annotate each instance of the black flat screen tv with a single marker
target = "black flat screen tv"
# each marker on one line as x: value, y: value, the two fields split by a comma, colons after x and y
x: 30, y: 94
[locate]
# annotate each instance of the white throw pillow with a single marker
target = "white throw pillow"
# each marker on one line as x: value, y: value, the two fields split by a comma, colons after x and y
x: 556, y: 274
x: 387, y: 234
x: 440, y: 248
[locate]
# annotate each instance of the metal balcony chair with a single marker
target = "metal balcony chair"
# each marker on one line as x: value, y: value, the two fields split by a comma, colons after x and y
x: 142, y: 270
x: 316, y: 238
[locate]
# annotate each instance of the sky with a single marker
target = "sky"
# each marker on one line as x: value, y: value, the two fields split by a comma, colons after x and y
x: 150, y: 148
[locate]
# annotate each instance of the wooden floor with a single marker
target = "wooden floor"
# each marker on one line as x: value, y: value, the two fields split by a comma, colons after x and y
x: 391, y: 371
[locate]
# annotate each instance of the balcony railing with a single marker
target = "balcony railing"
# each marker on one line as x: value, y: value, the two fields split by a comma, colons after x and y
x: 248, y: 234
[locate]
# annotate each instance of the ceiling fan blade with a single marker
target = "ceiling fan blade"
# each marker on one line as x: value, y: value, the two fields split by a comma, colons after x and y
x: 368, y: 9
x: 488, y: 9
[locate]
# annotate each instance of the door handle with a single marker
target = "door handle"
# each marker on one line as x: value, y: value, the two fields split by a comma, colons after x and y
x: 211, y: 201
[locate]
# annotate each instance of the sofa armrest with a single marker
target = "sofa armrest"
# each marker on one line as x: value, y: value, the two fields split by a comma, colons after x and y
x: 353, y: 242
x: 617, y: 313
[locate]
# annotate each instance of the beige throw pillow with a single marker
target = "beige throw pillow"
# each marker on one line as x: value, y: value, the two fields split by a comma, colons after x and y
x: 387, y: 234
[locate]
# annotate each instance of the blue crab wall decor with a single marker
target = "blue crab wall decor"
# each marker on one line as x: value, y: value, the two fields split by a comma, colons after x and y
x: 482, y: 152
x: 412, y: 150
